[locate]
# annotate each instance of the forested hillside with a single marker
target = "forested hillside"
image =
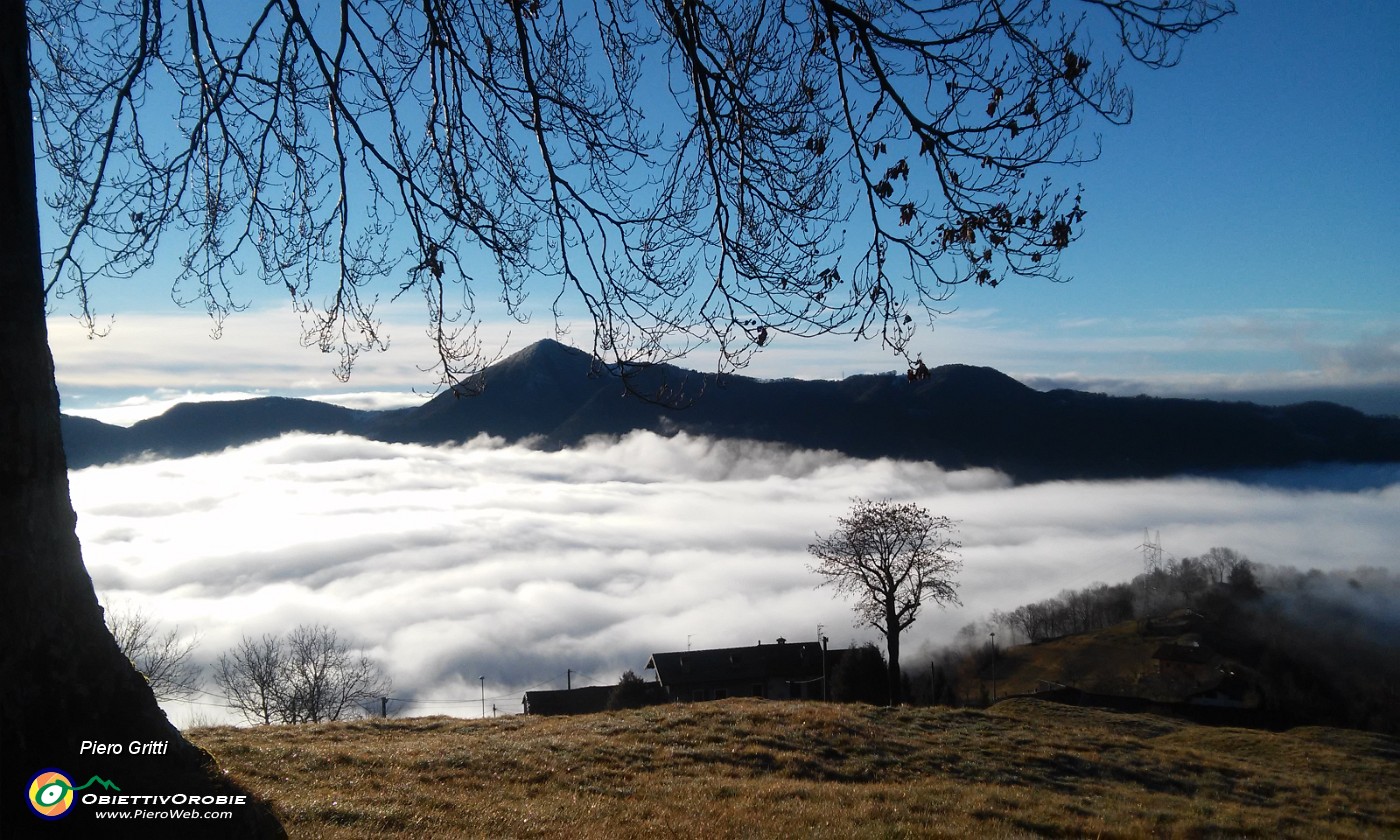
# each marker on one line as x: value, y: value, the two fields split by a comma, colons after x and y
x: 1276, y: 646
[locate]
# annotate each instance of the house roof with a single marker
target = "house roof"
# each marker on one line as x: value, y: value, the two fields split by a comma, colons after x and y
x: 577, y: 701
x: 785, y: 660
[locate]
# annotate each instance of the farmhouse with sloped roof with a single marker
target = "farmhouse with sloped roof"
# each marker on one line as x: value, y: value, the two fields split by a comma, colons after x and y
x: 782, y: 671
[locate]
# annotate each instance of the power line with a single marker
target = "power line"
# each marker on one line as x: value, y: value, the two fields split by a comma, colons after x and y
x: 511, y: 700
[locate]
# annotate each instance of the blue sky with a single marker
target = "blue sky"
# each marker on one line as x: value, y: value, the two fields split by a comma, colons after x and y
x: 1243, y: 239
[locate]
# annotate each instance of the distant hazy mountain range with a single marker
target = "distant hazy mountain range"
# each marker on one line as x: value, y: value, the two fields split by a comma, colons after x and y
x: 960, y: 416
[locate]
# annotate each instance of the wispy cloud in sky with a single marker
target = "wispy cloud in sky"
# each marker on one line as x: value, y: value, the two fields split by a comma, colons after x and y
x: 450, y: 563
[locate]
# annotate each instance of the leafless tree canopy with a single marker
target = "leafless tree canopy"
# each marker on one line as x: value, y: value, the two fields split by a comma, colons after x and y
x: 250, y: 676
x: 311, y: 676
x: 675, y: 171
x: 162, y: 657
x: 892, y: 557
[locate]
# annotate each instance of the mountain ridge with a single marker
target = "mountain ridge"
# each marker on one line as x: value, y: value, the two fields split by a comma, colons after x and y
x: 960, y: 416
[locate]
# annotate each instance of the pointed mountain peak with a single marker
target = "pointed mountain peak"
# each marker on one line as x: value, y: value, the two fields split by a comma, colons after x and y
x: 984, y: 381
x: 546, y: 348
x: 546, y: 357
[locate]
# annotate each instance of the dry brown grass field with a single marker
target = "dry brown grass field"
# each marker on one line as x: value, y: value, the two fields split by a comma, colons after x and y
x: 753, y: 768
x: 1116, y: 660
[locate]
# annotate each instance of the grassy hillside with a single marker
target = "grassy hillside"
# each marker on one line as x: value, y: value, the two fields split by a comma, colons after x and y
x: 752, y: 768
x: 1108, y: 661
x: 1116, y: 660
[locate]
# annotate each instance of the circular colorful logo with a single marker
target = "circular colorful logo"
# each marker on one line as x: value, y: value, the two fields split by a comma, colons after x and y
x: 50, y: 794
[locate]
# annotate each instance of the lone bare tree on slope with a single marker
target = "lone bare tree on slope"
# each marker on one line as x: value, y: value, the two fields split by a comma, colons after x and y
x: 892, y: 558
x: 680, y: 171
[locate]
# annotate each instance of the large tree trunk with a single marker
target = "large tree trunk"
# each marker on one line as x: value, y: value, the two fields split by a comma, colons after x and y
x: 64, y: 679
x: 896, y: 678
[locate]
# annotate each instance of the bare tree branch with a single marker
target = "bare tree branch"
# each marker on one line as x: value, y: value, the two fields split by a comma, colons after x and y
x: 680, y: 172
x: 164, y: 658
x: 250, y: 677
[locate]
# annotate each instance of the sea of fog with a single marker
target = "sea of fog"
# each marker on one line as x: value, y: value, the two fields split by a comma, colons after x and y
x: 452, y: 563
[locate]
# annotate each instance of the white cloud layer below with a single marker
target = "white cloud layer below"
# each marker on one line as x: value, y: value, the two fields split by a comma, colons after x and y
x: 451, y: 563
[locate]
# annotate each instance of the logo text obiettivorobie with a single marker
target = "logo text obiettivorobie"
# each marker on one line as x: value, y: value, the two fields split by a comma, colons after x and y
x: 51, y: 792
x: 52, y: 796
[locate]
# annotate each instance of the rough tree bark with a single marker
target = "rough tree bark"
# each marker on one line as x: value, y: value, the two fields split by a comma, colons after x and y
x: 65, y: 679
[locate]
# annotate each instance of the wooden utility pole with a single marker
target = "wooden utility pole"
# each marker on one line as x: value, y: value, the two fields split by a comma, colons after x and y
x: 994, y: 667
